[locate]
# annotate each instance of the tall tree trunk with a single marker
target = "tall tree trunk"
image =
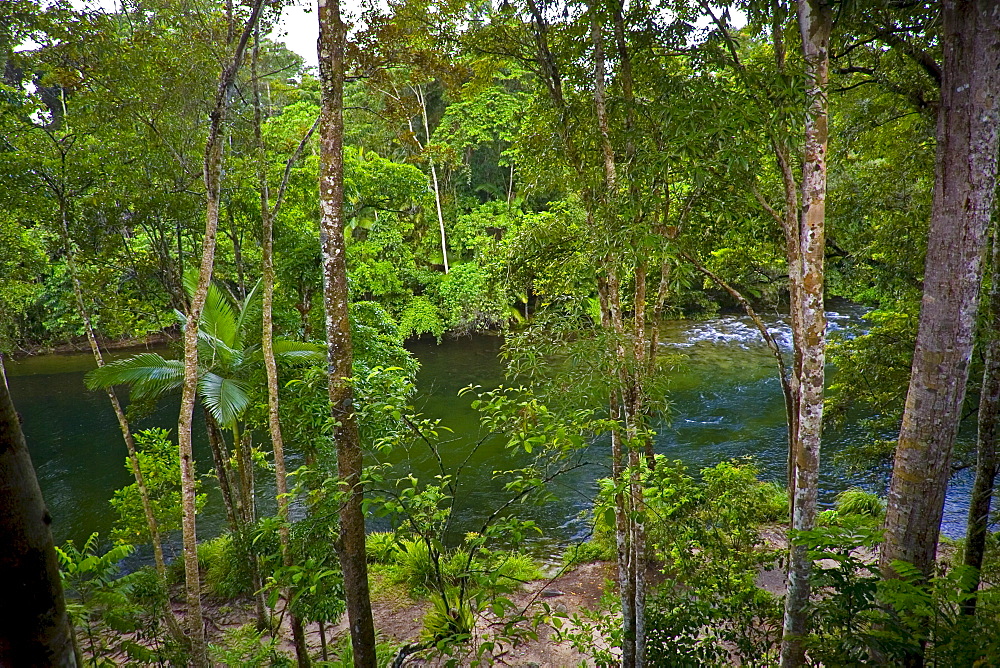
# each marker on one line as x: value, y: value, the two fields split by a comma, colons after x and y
x: 223, y: 472
x: 815, y: 19
x: 213, y: 180
x: 989, y: 425
x: 965, y: 178
x: 123, y: 423
x: 626, y: 404
x: 351, y: 545
x: 422, y: 99
x: 267, y: 348
x: 35, y: 630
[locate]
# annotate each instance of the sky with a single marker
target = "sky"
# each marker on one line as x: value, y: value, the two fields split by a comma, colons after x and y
x: 299, y: 27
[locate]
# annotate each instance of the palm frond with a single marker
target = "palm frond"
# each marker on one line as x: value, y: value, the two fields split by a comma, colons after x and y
x: 299, y: 351
x: 214, y: 353
x: 218, y: 317
x: 148, y: 375
x: 225, y: 398
x: 248, y: 320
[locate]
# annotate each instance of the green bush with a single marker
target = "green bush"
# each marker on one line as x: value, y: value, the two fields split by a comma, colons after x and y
x: 246, y: 647
x: 226, y: 567
x: 414, y: 566
x: 449, y: 618
x: 381, y: 546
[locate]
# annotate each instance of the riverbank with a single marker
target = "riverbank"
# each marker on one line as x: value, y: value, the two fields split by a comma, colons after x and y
x: 80, y: 344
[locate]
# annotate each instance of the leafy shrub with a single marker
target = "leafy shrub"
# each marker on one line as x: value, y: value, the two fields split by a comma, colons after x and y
x: 449, y: 618
x: 246, y: 647
x: 706, y: 534
x: 226, y: 567
x: 380, y: 546
x: 470, y: 301
x: 415, y: 567
x: 420, y: 316
x: 864, y: 619
x: 385, y: 652
x: 160, y: 467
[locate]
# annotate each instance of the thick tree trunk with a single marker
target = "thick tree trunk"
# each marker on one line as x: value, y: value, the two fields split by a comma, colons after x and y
x: 35, y: 631
x: 965, y: 168
x: 213, y: 182
x: 815, y: 18
x: 351, y: 547
x: 989, y: 426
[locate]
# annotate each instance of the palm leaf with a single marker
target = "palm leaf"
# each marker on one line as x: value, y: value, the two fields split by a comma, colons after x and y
x: 225, y: 398
x: 218, y: 317
x: 249, y: 314
x: 148, y: 375
x: 299, y: 351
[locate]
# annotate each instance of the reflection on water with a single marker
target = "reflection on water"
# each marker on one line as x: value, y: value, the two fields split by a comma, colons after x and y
x: 724, y: 395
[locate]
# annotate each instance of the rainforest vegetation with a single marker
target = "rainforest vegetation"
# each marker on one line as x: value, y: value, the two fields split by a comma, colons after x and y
x: 569, y: 177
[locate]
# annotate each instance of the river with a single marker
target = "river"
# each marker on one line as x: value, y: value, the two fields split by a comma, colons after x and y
x: 725, y: 402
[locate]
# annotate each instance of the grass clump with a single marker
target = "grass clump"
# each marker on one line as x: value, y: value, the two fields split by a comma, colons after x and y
x: 858, y: 502
x: 586, y: 553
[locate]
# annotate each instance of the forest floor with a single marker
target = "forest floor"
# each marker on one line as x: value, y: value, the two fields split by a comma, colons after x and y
x: 399, y: 620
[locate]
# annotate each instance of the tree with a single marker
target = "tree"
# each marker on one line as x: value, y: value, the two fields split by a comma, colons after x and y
x: 806, y: 258
x: 267, y: 215
x: 965, y: 179
x: 351, y: 546
x: 34, y: 627
x: 988, y: 426
x: 213, y: 183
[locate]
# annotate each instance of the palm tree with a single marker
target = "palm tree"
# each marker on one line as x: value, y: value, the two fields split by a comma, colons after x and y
x: 228, y: 351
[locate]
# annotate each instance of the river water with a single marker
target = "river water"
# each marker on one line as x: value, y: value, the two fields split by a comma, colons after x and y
x: 725, y: 402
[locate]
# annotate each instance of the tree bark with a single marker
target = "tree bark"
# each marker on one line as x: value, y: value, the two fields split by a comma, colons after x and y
x: 989, y: 425
x: 815, y: 21
x: 351, y: 547
x: 213, y: 181
x: 965, y: 168
x: 35, y: 630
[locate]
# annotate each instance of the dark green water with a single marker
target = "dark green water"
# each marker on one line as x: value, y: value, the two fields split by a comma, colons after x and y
x: 725, y: 398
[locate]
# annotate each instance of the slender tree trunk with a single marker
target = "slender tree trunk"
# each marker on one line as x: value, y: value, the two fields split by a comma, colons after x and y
x: 220, y: 457
x: 351, y: 547
x: 213, y: 180
x: 815, y: 19
x: 267, y: 348
x: 965, y: 168
x: 35, y: 631
x: 123, y: 423
x: 630, y: 531
x: 989, y: 425
x: 434, y: 176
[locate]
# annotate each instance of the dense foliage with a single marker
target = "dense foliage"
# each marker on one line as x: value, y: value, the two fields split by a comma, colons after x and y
x: 566, y: 174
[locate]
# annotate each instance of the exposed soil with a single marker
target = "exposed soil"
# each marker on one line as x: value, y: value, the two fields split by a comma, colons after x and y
x: 399, y: 619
